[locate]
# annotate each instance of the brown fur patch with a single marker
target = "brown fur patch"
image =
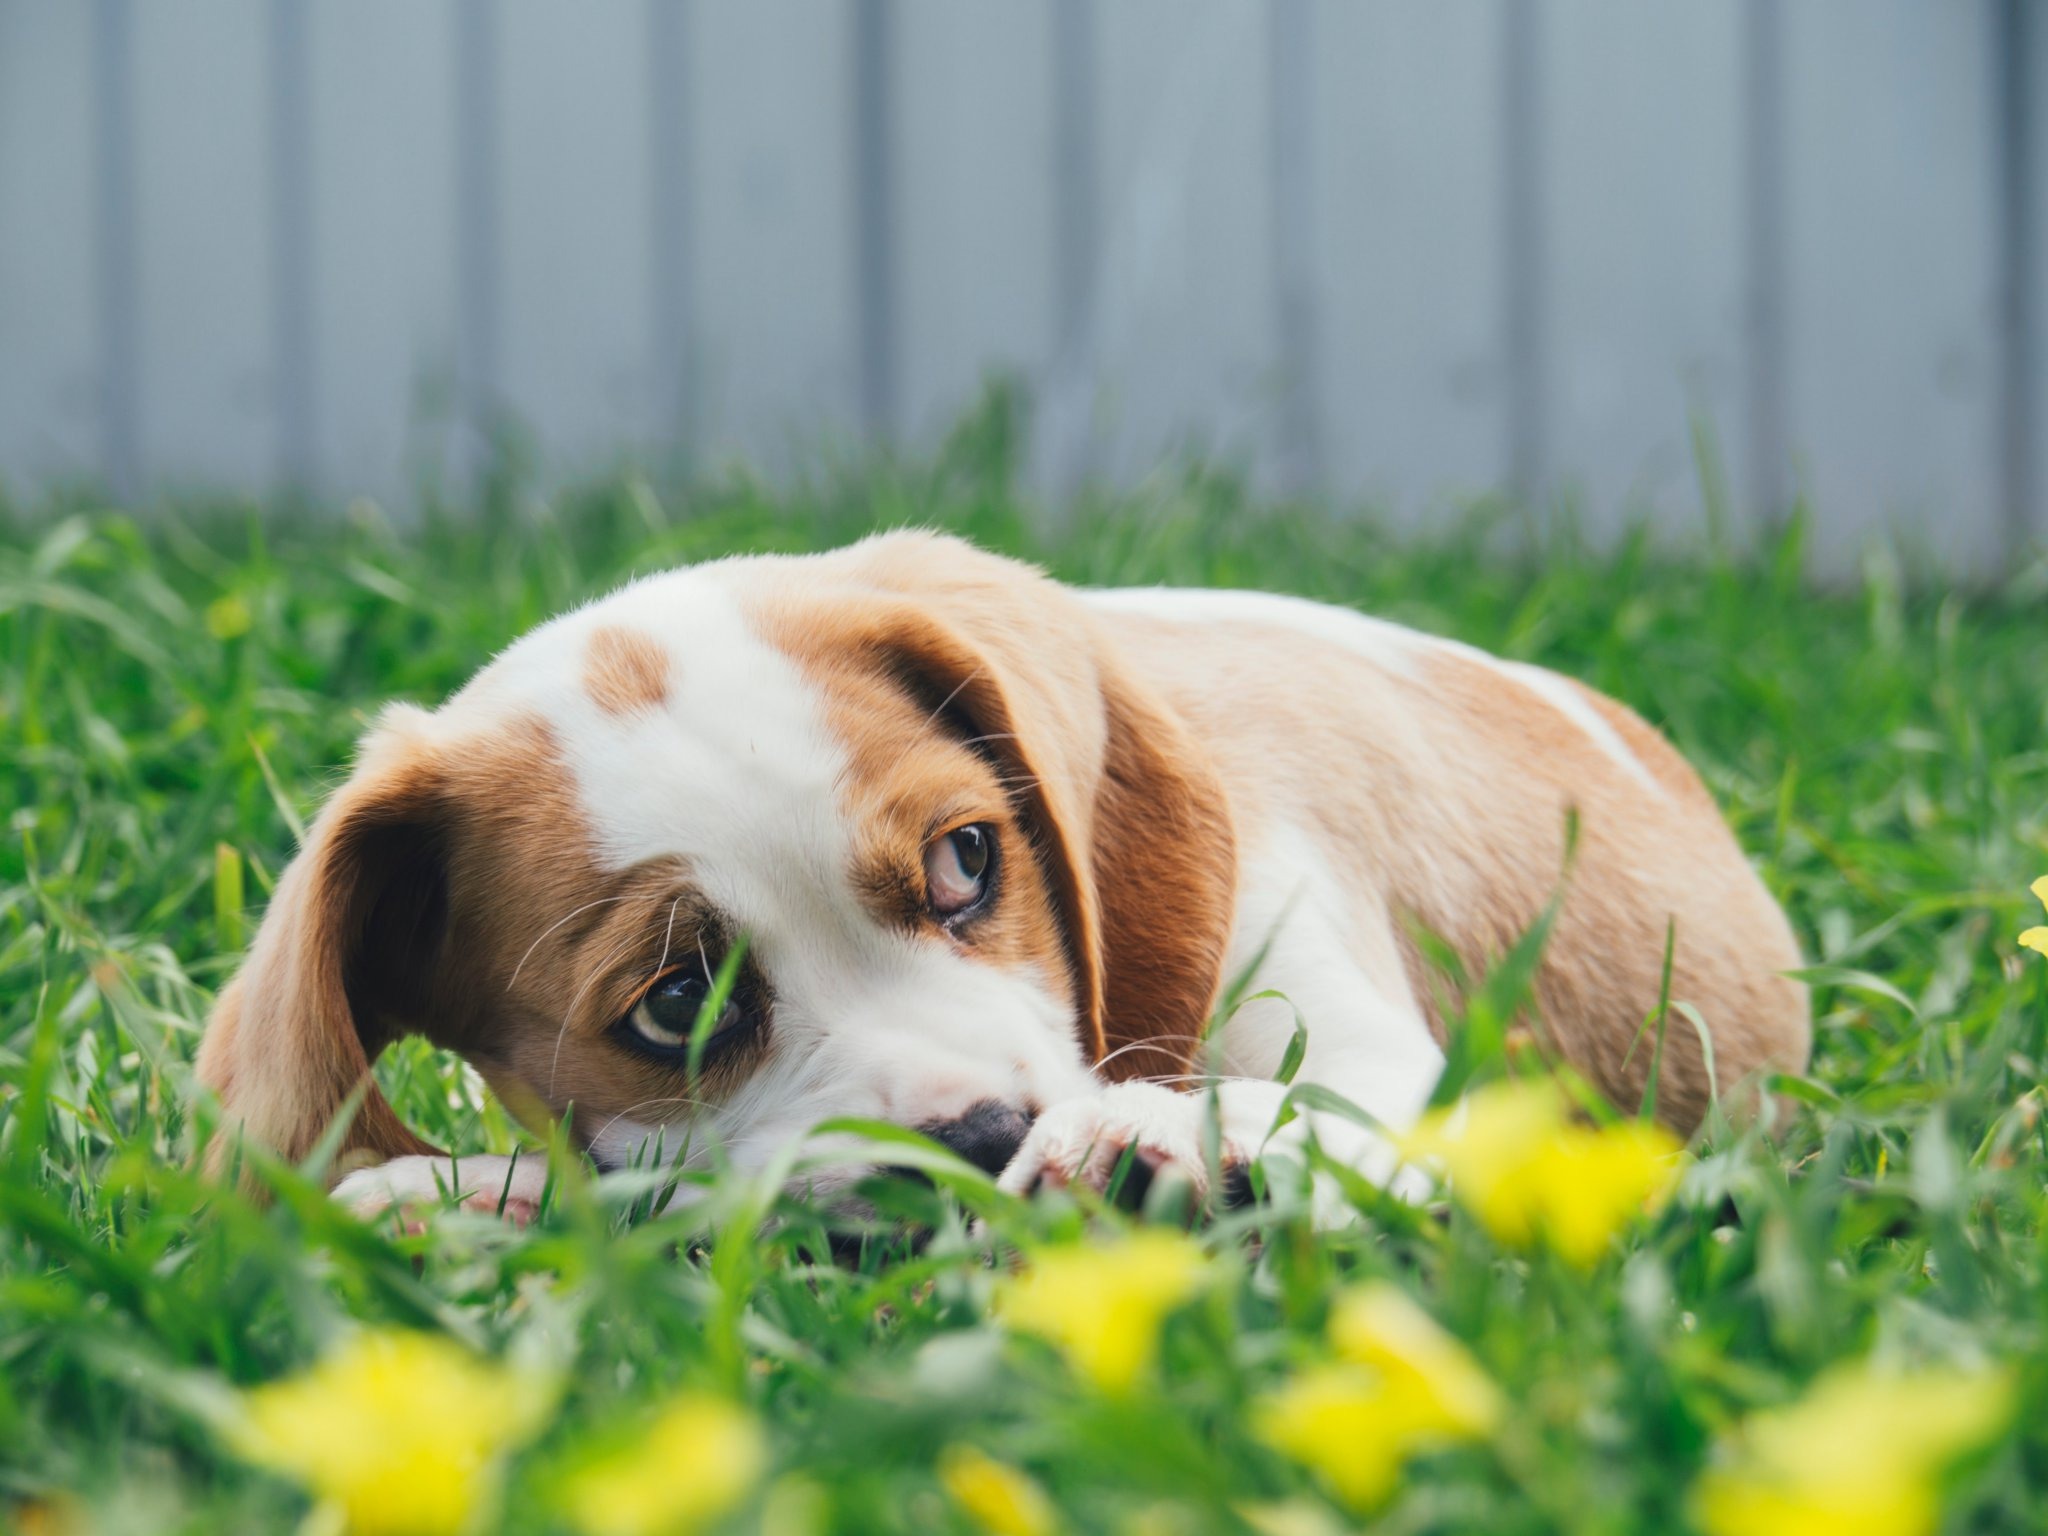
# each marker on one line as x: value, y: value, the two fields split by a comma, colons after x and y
x: 909, y: 781
x: 450, y: 889
x: 968, y: 687
x: 624, y: 670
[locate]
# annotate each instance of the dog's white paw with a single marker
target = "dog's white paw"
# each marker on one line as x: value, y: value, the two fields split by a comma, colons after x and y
x: 1081, y: 1141
x: 417, y: 1184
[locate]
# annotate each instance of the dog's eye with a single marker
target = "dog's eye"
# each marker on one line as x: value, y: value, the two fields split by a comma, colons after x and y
x: 666, y: 1014
x: 957, y: 868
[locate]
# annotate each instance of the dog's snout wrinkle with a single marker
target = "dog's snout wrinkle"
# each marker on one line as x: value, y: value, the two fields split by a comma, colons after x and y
x: 987, y: 1134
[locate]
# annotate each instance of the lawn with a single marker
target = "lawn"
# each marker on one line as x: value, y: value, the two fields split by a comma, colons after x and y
x: 177, y: 691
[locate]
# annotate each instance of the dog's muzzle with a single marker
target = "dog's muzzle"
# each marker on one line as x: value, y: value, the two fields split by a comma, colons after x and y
x: 987, y: 1135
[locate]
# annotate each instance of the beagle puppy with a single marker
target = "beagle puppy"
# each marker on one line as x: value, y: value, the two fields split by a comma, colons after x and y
x: 984, y: 852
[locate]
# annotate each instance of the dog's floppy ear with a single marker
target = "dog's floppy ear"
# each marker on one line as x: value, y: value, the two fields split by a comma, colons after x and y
x: 1129, y: 817
x: 1164, y: 860
x: 342, y: 964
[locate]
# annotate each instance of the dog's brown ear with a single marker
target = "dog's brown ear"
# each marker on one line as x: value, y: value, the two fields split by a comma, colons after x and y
x: 342, y: 964
x: 1164, y: 860
x: 1130, y: 819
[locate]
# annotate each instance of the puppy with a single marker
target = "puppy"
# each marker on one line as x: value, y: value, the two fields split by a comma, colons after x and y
x: 989, y: 849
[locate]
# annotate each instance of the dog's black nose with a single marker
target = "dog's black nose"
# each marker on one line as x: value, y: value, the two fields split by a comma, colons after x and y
x: 987, y: 1135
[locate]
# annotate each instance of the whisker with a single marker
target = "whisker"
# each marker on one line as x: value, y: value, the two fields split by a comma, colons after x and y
x: 958, y: 689
x: 1162, y: 1044
x: 667, y: 934
x: 569, y: 1013
x: 1150, y: 1042
x: 600, y: 902
x: 682, y: 1099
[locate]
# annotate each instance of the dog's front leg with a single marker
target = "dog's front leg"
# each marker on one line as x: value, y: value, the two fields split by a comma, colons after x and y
x: 507, y: 1186
x: 1082, y: 1141
x: 1369, y: 1045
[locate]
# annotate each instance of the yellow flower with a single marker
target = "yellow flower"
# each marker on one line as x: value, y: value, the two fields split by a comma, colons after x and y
x: 1400, y: 1385
x: 1101, y: 1305
x: 1529, y: 1173
x: 691, y: 1465
x: 1336, y: 1421
x: 994, y: 1495
x: 1860, y: 1454
x: 1441, y: 1388
x: 400, y: 1433
x: 2037, y: 938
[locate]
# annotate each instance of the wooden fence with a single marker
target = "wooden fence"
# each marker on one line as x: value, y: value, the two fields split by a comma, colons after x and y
x: 1389, y: 249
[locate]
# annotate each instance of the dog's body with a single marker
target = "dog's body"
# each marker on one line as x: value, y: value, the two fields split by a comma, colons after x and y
x: 995, y: 846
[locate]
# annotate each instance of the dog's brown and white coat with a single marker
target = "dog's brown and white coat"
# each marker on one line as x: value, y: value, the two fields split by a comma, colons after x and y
x: 995, y: 845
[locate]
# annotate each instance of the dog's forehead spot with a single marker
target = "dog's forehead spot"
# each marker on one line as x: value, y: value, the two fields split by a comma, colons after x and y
x: 624, y: 669
x: 731, y: 768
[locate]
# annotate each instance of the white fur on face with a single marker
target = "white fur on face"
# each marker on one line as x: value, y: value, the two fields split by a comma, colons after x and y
x: 736, y: 774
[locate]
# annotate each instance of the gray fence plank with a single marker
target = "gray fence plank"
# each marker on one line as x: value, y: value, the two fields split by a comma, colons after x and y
x: 1297, y: 277
x: 1767, y: 478
x: 672, y: 220
x: 207, y: 393
x: 976, y: 146
x: 50, y: 406
x: 1525, y: 247
x: 2017, y: 238
x: 1397, y: 250
x: 476, y: 94
x: 1890, y: 311
x: 289, y: 195
x: 1075, y: 226
x: 1182, y: 332
x: 578, y: 319
x: 1645, y: 281
x: 874, y: 90
x: 1409, y: 231
x: 775, y: 216
x: 384, y: 219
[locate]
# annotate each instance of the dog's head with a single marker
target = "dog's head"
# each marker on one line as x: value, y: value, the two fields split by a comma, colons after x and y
x: 965, y: 863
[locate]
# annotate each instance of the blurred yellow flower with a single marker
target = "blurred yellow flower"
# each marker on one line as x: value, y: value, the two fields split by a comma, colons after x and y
x: 1861, y: 1454
x: 1101, y: 1304
x: 695, y: 1462
x: 1529, y: 1173
x: 2037, y: 938
x: 995, y: 1495
x: 1340, y: 1423
x: 1440, y: 1386
x: 1400, y: 1385
x: 399, y: 1433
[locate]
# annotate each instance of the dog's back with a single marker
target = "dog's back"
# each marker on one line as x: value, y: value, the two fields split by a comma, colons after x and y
x: 1438, y: 782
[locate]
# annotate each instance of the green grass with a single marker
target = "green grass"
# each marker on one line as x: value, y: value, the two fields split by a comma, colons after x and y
x: 177, y: 691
